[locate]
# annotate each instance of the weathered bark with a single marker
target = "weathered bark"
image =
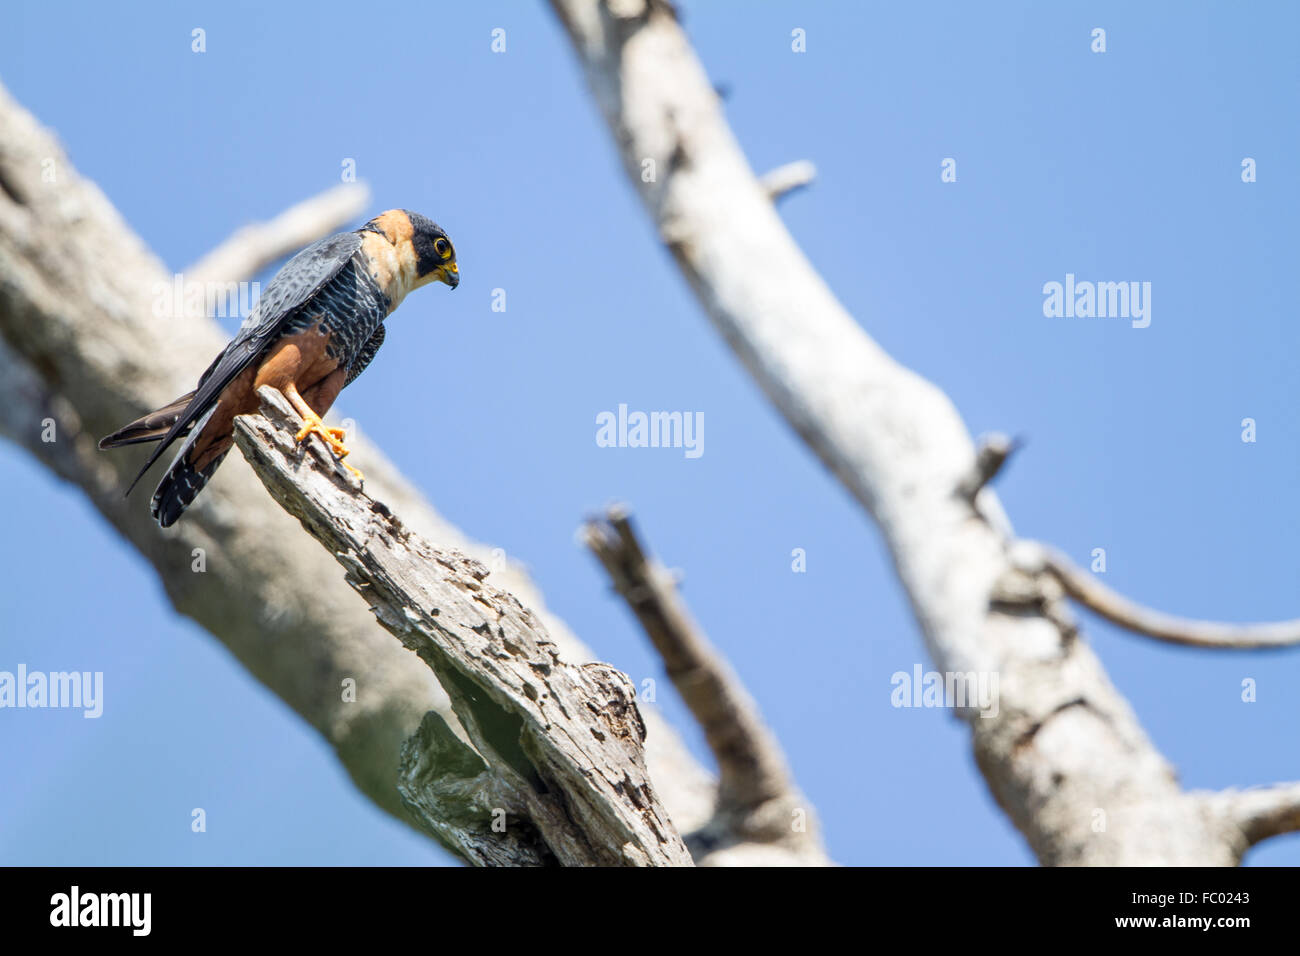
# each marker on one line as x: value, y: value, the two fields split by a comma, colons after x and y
x: 560, y: 745
x: 1064, y: 744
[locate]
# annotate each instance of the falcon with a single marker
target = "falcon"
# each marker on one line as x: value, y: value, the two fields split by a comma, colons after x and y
x: 315, y: 328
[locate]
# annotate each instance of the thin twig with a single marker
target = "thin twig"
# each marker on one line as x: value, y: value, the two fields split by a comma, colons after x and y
x: 991, y: 453
x: 780, y: 182
x: 1119, y: 610
x: 757, y: 798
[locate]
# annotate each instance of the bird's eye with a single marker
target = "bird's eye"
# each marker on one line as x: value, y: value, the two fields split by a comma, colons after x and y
x: 442, y: 247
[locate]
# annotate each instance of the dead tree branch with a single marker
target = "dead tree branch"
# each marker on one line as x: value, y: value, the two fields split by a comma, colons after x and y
x: 1260, y: 812
x: 560, y: 745
x: 758, y: 805
x: 1119, y: 610
x: 991, y: 454
x: 780, y: 182
x: 1064, y: 743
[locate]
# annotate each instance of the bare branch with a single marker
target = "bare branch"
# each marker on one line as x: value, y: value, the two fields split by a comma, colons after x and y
x: 1260, y: 812
x: 758, y: 801
x: 780, y: 182
x: 1119, y: 610
x: 991, y: 454
x: 254, y: 247
x: 560, y: 745
x: 1064, y: 743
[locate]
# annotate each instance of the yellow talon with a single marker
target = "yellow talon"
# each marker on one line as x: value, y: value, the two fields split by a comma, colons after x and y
x: 333, y: 437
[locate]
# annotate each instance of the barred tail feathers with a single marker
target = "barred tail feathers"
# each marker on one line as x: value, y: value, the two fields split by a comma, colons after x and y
x: 183, y: 481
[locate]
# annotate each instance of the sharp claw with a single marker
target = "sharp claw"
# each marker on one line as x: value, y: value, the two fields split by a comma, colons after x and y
x: 332, y: 437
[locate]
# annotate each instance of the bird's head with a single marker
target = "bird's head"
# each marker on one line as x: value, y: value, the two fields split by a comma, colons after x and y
x: 424, y: 252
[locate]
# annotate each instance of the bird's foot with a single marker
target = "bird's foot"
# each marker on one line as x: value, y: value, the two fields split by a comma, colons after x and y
x: 333, y: 437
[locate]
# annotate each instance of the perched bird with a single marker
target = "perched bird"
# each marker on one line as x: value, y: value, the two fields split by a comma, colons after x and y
x: 315, y: 329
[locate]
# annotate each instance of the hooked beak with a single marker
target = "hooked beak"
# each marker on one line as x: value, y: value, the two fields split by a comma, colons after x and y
x: 449, y: 274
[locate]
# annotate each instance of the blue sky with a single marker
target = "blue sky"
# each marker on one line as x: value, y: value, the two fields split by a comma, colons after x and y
x: 1120, y: 166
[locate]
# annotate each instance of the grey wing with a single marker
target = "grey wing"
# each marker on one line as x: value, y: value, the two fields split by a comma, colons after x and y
x: 367, y: 352
x: 300, y: 279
